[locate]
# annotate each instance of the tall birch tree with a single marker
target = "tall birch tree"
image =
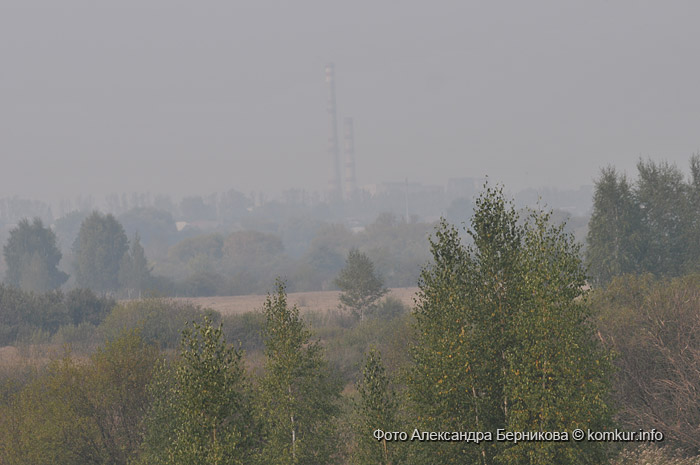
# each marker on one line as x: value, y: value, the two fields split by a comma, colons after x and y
x: 298, y: 396
x: 505, y: 342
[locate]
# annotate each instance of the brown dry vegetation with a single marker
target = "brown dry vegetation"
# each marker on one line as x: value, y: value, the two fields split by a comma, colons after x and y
x: 9, y: 356
x: 306, y: 301
x: 39, y: 355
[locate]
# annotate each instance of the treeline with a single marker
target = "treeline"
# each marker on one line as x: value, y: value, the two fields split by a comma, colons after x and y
x: 649, y: 225
x: 27, y: 316
x: 503, y: 337
x: 242, y: 262
x: 225, y: 244
x: 84, y: 319
x: 103, y: 258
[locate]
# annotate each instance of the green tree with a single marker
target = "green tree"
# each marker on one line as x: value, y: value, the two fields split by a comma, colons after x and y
x: 662, y: 195
x: 196, y: 208
x: 361, y: 286
x: 651, y: 226
x: 504, y: 340
x: 50, y: 422
x: 377, y: 409
x: 692, y: 232
x: 199, y: 254
x: 82, y: 305
x: 82, y: 413
x: 298, y: 397
x: 159, y: 321
x: 325, y: 256
x: 134, y: 271
x: 116, y: 387
x: 32, y: 257
x: 201, y: 412
x: 99, y: 249
x: 614, y: 230
x: 156, y: 229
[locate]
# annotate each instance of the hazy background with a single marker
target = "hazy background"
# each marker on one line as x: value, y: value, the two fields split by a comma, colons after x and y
x: 187, y: 97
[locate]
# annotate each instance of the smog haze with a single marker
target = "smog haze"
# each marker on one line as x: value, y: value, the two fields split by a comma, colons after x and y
x: 192, y: 97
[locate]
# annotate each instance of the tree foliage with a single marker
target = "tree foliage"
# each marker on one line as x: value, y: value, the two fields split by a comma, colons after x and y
x: 134, y: 271
x: 24, y: 313
x: 377, y: 408
x: 159, y: 321
x: 156, y: 229
x: 505, y: 340
x: 82, y: 413
x: 360, y: 285
x: 32, y: 257
x: 99, y: 249
x: 201, y: 411
x: 298, y: 396
x: 650, y: 225
x: 614, y: 231
x: 663, y: 198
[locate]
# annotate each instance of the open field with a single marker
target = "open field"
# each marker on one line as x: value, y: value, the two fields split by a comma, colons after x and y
x: 9, y: 356
x: 306, y: 301
x: 321, y: 301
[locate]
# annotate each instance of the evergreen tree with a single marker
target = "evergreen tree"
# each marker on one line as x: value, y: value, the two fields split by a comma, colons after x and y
x: 614, y: 230
x: 32, y: 257
x: 692, y: 232
x: 651, y: 226
x: 504, y: 341
x: 361, y: 286
x: 201, y: 411
x: 297, y: 394
x: 134, y: 272
x: 662, y: 195
x: 99, y: 249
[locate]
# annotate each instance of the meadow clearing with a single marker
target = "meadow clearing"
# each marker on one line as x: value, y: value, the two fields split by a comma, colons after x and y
x: 318, y: 301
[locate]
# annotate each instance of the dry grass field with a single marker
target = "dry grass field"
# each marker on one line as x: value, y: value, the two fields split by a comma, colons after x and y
x: 306, y: 301
x: 9, y: 356
x: 37, y: 355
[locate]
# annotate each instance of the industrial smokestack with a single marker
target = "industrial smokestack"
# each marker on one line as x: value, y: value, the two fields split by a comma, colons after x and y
x: 349, y: 150
x: 333, y: 149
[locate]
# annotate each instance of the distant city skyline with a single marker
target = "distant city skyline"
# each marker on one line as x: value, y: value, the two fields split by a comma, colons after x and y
x: 187, y: 98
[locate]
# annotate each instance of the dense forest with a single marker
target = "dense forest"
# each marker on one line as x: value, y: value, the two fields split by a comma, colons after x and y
x: 519, y: 336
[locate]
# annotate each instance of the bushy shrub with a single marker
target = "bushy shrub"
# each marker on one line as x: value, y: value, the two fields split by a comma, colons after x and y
x: 345, y: 347
x: 244, y: 329
x: 80, y: 338
x: 24, y: 316
x: 204, y: 283
x: 390, y: 308
x: 652, y: 325
x: 160, y: 320
x: 80, y: 412
x: 652, y: 455
x: 83, y: 305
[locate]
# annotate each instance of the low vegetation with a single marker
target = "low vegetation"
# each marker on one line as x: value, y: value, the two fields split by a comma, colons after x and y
x: 504, y: 335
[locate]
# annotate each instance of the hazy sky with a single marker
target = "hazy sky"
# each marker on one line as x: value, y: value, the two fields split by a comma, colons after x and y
x: 199, y: 96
